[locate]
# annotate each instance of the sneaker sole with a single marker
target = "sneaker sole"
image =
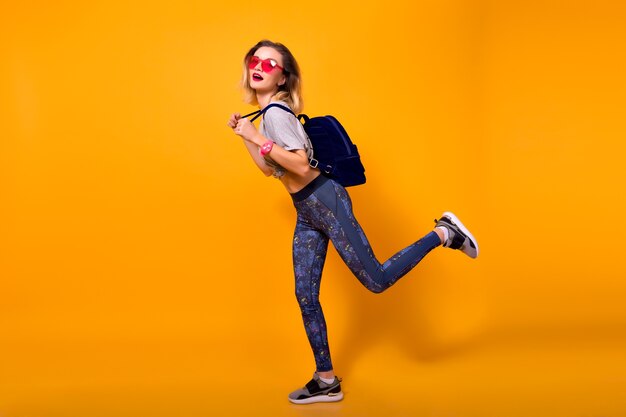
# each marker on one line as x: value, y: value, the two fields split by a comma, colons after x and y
x: 461, y: 226
x: 319, y: 399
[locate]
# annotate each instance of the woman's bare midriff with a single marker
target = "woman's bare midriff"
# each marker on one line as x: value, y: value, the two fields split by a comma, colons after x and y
x: 294, y: 183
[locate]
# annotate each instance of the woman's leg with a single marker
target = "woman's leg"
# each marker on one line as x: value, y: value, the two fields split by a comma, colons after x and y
x: 335, y: 214
x: 309, y: 254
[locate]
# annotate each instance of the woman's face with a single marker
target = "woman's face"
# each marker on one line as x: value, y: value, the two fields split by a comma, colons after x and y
x: 267, y: 74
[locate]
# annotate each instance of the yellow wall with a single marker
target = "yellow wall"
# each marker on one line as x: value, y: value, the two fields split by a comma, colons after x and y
x: 130, y: 232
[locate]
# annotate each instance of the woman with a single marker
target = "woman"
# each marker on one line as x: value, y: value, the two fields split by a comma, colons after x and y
x: 280, y: 147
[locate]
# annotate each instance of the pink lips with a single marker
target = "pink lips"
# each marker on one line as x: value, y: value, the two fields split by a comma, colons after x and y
x: 257, y: 77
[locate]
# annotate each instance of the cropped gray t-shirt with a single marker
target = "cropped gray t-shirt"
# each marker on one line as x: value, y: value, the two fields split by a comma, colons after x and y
x: 285, y: 130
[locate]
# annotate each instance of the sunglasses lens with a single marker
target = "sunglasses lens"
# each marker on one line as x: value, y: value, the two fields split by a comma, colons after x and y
x: 254, y: 61
x: 268, y: 65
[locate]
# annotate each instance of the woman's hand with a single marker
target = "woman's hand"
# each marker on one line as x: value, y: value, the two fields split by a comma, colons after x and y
x: 232, y: 122
x: 243, y: 128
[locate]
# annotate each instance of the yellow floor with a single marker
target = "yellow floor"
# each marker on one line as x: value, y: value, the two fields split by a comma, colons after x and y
x: 510, y: 377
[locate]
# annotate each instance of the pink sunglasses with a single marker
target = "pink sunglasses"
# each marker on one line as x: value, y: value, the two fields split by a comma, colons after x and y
x: 267, y: 65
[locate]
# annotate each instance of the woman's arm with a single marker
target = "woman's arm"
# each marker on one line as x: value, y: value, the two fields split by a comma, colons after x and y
x: 295, y: 161
x: 253, y: 149
x: 257, y: 158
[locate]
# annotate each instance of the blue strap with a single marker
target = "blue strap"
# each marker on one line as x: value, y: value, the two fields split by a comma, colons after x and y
x: 258, y: 113
x: 266, y: 108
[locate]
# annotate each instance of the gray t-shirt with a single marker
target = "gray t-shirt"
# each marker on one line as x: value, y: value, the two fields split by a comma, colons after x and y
x: 285, y: 130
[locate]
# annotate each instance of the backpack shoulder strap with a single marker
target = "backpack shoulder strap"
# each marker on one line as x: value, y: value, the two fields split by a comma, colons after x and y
x: 261, y: 112
x: 257, y: 112
x: 269, y: 106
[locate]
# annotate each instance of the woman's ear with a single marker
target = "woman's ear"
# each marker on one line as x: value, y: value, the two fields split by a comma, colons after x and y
x: 282, y: 81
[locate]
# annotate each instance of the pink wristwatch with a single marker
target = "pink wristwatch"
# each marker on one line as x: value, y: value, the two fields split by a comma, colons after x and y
x: 266, y: 148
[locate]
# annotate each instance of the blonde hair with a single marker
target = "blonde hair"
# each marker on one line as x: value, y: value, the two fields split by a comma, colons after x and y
x: 290, y: 92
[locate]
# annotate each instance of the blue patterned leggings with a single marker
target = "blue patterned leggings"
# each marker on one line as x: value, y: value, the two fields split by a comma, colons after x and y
x: 324, y: 212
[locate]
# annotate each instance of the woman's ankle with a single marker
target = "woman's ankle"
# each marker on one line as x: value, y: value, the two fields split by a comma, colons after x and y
x: 326, y: 374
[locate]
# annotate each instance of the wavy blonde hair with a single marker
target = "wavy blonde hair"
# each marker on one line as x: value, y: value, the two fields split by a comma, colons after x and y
x: 290, y: 92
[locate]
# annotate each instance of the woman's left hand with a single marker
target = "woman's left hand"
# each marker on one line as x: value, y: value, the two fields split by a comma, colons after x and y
x: 246, y: 130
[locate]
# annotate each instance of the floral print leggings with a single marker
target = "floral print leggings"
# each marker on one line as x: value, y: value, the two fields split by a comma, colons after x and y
x: 324, y: 211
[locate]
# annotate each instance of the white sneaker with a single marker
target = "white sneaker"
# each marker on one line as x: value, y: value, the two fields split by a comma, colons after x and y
x: 458, y: 235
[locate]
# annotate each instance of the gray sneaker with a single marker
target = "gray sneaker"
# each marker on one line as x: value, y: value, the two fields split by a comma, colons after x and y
x: 317, y: 391
x: 459, y: 237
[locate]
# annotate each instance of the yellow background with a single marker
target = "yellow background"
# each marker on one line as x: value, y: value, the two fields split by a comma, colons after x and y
x: 132, y: 222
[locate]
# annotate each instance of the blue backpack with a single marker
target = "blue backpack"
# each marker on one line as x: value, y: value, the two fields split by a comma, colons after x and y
x: 333, y: 151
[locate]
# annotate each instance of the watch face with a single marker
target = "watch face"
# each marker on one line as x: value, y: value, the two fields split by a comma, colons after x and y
x: 267, y: 147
